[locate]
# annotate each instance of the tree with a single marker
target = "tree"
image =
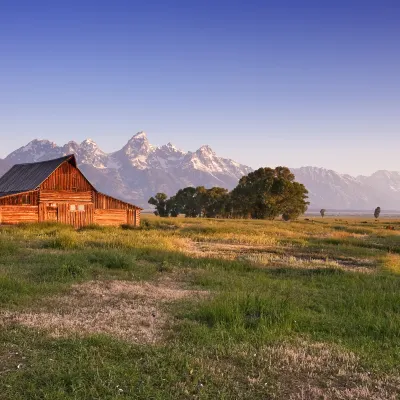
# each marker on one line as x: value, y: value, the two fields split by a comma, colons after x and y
x: 377, y: 212
x: 267, y: 193
x: 160, y: 202
x: 322, y: 212
x: 217, y: 203
x: 190, y: 201
x: 172, y: 207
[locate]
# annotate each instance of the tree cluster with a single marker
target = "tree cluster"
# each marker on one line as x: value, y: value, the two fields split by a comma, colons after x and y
x: 263, y: 194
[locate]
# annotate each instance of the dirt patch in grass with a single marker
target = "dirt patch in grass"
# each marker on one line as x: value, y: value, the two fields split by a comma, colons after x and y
x: 323, y: 371
x: 129, y: 311
x: 278, y: 256
x: 303, y: 370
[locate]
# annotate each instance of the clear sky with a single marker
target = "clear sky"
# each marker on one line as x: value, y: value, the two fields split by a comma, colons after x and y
x: 263, y: 82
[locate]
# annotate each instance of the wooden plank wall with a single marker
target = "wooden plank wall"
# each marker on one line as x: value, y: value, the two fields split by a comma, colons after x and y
x: 110, y: 217
x: 131, y: 217
x: 18, y: 214
x: 64, y: 215
x: 108, y: 203
x: 137, y: 217
x: 28, y: 198
x: 104, y: 202
x: 76, y: 218
x: 65, y: 196
x: 66, y: 177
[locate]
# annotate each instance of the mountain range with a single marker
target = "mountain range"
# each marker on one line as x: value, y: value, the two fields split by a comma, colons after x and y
x: 139, y: 170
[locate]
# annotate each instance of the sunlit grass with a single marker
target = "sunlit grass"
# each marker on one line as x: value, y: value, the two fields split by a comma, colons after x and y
x: 323, y: 294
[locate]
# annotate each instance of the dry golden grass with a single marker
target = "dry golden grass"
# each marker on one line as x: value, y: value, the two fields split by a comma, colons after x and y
x: 392, y: 263
x: 304, y: 370
x: 126, y: 310
x: 275, y: 257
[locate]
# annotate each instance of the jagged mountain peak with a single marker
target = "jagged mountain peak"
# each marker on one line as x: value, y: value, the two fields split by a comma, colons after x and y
x: 139, y: 170
x: 205, y: 149
x: 89, y: 141
x: 139, y: 136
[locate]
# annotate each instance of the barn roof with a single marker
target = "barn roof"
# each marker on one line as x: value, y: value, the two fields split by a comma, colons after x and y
x: 25, y: 177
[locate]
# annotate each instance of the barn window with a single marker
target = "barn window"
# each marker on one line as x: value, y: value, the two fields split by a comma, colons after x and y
x: 25, y: 199
x: 72, y: 207
x: 81, y: 207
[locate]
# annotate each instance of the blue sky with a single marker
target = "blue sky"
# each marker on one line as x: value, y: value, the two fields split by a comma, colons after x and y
x: 263, y: 82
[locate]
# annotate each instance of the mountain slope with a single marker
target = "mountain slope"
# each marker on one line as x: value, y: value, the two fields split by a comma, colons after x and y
x: 139, y: 170
x: 4, y: 167
x: 330, y: 190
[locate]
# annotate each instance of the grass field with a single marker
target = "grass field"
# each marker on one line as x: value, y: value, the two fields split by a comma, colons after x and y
x: 201, y: 309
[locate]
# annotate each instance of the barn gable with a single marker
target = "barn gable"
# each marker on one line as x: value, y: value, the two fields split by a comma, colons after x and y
x: 67, y: 177
x: 26, y: 177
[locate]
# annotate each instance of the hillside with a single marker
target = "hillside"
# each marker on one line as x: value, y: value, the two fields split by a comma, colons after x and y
x: 139, y: 170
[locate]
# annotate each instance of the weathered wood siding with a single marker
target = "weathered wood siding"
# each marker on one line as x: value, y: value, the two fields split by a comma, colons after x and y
x: 28, y: 198
x: 77, y: 215
x: 107, y: 205
x: 137, y: 217
x: 104, y: 202
x: 65, y: 196
x: 66, y: 177
x: 110, y: 217
x: 17, y: 214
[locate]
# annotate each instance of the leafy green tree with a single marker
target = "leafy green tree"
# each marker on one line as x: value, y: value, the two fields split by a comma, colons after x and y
x: 190, y: 201
x: 322, y: 212
x: 172, y: 207
x: 217, y: 203
x: 377, y: 212
x: 267, y: 193
x: 160, y: 202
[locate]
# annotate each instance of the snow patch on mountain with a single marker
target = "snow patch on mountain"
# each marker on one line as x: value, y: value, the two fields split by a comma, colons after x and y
x: 139, y: 170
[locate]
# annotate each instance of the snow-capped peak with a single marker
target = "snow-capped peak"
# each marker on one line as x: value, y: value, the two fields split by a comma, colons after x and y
x: 89, y: 142
x: 140, y: 135
x: 205, y: 149
x: 139, y: 170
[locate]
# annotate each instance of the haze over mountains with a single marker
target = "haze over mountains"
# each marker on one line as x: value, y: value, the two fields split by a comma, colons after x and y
x: 139, y: 170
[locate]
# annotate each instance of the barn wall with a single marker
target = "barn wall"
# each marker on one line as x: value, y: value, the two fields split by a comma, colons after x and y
x: 78, y: 215
x: 104, y: 202
x: 110, y: 217
x: 65, y: 196
x: 27, y: 198
x: 76, y: 218
x: 66, y: 177
x: 137, y: 217
x: 18, y: 214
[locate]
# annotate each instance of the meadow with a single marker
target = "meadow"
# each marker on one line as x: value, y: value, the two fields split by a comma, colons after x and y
x: 187, y: 308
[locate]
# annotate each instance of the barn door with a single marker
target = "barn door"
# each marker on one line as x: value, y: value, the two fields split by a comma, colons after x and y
x: 78, y: 215
x: 48, y: 212
x: 52, y: 213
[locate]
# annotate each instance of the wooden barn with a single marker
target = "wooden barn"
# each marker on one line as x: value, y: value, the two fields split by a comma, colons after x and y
x: 56, y: 190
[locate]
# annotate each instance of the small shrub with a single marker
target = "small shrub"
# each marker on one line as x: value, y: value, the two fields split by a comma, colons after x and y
x: 71, y: 271
x: 128, y: 227
x: 112, y: 260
